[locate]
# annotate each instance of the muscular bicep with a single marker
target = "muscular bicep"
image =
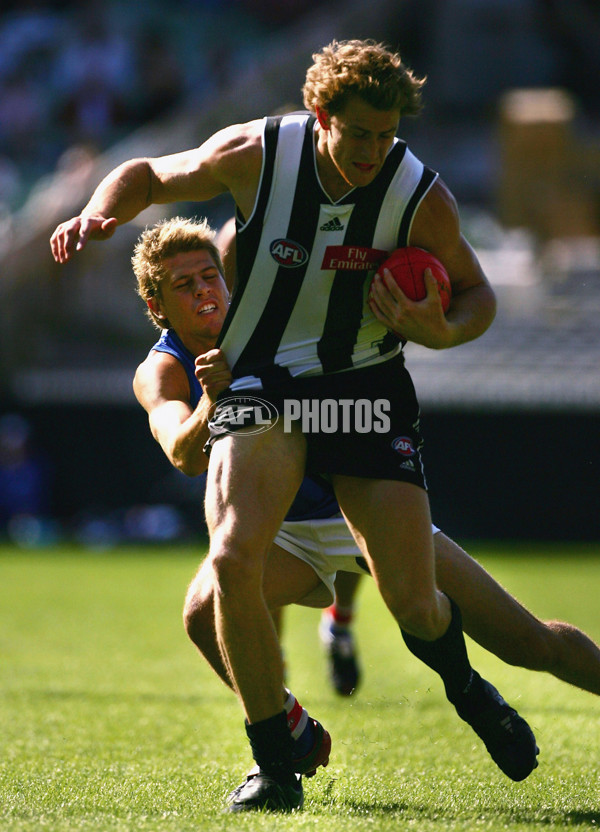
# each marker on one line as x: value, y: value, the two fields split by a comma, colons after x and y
x: 230, y: 160
x: 187, y: 176
x: 436, y: 228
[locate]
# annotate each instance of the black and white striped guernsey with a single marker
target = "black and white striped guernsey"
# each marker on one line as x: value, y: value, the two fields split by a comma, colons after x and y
x: 305, y: 263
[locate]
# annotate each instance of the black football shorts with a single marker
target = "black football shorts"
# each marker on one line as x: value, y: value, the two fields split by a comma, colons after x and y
x: 362, y: 422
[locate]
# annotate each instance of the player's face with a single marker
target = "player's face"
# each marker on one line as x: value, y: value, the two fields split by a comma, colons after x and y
x: 353, y: 144
x: 194, y: 297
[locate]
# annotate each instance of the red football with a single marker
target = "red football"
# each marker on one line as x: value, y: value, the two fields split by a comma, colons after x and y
x: 408, y: 265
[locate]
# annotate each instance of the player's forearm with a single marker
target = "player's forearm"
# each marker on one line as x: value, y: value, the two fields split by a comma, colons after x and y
x: 124, y: 193
x: 186, y: 449
x: 187, y: 454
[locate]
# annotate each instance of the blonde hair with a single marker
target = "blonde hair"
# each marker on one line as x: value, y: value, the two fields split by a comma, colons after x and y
x: 166, y: 239
x: 364, y: 68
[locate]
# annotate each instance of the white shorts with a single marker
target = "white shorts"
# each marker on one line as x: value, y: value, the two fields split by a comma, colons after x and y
x: 327, y: 545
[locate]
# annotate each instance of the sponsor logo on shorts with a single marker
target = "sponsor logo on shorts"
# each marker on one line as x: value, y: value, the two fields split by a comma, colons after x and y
x: 288, y: 254
x: 404, y: 445
x: 231, y: 414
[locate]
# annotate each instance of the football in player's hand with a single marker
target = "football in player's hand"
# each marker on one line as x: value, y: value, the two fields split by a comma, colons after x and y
x: 408, y: 265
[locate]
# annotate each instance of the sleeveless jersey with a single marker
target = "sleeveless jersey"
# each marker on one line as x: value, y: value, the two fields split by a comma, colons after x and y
x: 170, y: 342
x: 315, y: 498
x: 305, y: 263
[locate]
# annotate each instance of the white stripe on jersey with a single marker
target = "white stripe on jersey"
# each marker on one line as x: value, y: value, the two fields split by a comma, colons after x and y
x: 278, y: 210
x: 305, y: 326
x: 396, y: 200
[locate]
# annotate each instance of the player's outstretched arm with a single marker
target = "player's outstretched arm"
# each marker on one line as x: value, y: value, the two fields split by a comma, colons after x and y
x: 71, y: 236
x: 228, y: 161
x: 118, y: 198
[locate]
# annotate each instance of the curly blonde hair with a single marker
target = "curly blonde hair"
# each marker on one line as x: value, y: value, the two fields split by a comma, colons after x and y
x: 364, y: 68
x: 166, y: 239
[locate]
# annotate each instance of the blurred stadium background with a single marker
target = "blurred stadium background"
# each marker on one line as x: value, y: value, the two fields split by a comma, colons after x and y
x: 512, y: 123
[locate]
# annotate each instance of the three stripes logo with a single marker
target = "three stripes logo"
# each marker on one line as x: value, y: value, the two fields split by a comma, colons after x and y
x: 332, y: 225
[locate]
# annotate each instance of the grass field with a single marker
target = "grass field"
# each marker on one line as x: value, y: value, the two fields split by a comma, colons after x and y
x: 109, y: 720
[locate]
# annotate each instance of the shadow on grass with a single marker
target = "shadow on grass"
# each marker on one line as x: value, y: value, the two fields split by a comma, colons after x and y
x: 429, y: 812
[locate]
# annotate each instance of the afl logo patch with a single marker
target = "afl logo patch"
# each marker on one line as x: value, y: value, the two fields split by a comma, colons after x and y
x: 235, y: 412
x: 288, y: 254
x: 404, y: 445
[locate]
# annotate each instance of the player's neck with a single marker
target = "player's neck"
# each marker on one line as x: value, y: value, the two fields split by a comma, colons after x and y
x: 331, y: 180
x: 197, y: 345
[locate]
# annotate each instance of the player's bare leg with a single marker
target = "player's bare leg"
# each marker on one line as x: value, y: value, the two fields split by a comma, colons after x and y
x: 337, y: 638
x: 397, y: 543
x: 346, y: 587
x: 287, y: 580
x: 398, y: 547
x: 199, y: 620
x: 500, y: 624
x: 245, y: 506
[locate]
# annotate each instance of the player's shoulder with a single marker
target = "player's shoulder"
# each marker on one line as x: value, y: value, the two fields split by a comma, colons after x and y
x: 242, y: 137
x: 440, y: 200
x: 156, y: 368
x: 248, y: 137
x: 236, y: 151
x: 436, y: 218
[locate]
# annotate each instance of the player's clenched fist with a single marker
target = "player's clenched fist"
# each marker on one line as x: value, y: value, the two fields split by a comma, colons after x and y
x: 213, y: 373
x: 72, y: 235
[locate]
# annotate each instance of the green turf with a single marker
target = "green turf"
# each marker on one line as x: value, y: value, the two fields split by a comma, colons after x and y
x: 109, y: 720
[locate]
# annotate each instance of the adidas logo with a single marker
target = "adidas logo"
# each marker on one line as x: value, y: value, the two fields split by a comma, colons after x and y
x: 332, y: 225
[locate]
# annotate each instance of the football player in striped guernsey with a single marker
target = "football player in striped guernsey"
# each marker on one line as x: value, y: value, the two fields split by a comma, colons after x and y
x: 303, y: 327
x: 179, y: 272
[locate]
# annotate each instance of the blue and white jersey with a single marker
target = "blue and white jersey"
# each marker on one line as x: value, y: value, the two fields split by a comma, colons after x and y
x: 315, y: 498
x: 305, y: 262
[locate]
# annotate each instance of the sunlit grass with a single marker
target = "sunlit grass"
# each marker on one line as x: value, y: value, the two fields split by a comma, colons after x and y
x: 110, y: 721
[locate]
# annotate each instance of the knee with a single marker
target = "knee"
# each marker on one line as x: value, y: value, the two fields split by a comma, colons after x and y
x: 420, y: 617
x: 237, y: 570
x: 199, y: 609
x: 423, y: 621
